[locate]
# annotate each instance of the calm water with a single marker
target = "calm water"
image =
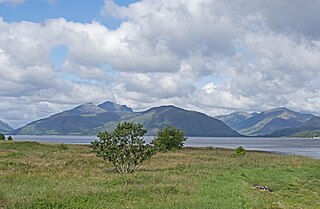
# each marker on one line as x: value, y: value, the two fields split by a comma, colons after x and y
x: 293, y: 146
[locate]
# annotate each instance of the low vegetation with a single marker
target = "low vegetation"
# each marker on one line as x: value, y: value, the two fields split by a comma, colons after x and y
x: 3, y: 137
x: 308, y: 134
x: 240, y: 151
x: 125, y: 147
x: 35, y: 175
x: 170, y: 138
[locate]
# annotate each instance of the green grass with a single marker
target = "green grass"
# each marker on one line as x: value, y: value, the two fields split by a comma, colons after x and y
x: 34, y: 175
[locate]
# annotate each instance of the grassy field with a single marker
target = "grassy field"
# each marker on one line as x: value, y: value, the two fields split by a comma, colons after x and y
x: 34, y: 175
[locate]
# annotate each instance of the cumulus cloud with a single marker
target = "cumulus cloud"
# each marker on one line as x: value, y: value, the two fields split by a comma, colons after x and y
x: 167, y: 52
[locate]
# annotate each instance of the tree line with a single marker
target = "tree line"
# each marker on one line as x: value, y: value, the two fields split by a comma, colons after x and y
x: 3, y: 137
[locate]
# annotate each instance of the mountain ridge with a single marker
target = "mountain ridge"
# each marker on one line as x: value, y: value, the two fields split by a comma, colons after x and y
x: 76, y: 121
x: 265, y: 122
x: 193, y: 123
x: 114, y: 107
x: 87, y: 108
x: 90, y: 119
x: 313, y: 124
x: 5, y: 128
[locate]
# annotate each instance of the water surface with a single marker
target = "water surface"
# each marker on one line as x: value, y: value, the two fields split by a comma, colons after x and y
x: 291, y: 146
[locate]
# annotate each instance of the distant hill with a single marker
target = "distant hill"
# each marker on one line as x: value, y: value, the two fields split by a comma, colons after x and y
x: 77, y: 121
x: 266, y: 122
x: 88, y: 108
x: 235, y: 119
x: 314, y: 121
x: 4, y: 127
x: 90, y: 119
x: 307, y: 134
x: 308, y: 129
x: 191, y: 122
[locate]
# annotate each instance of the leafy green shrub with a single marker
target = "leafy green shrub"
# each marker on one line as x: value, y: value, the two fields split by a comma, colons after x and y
x: 240, y: 151
x: 10, y: 138
x: 2, y: 137
x: 169, y: 138
x: 125, y: 147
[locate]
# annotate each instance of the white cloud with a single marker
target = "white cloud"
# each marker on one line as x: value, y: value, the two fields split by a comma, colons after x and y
x: 161, y: 54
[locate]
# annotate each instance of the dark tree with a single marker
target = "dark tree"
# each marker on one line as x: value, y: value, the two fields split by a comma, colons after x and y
x: 125, y: 147
x: 169, y: 138
x: 10, y: 138
x: 2, y: 137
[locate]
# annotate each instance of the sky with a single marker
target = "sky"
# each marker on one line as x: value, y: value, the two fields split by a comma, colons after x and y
x: 213, y: 56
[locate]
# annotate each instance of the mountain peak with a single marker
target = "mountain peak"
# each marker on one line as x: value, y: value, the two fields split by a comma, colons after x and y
x: 241, y: 113
x: 277, y: 109
x: 163, y: 108
x: 88, y: 104
x: 114, y: 107
x: 87, y: 108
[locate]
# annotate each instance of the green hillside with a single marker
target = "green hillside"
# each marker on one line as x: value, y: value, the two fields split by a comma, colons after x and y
x: 89, y: 119
x: 78, y: 121
x: 308, y: 129
x: 4, y: 127
x: 191, y: 122
x: 307, y: 134
x: 266, y: 122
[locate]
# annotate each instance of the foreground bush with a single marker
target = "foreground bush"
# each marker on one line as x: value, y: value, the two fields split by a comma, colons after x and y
x: 169, y: 138
x: 240, y: 151
x: 125, y: 147
x: 2, y: 137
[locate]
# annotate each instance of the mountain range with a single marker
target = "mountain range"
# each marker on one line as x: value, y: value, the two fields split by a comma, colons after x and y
x: 80, y: 120
x: 268, y: 123
x: 90, y: 119
x: 5, y: 128
x: 309, y: 129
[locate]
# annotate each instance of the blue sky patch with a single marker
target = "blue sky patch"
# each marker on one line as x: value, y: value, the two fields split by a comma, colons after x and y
x: 83, y: 11
x: 58, y: 56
